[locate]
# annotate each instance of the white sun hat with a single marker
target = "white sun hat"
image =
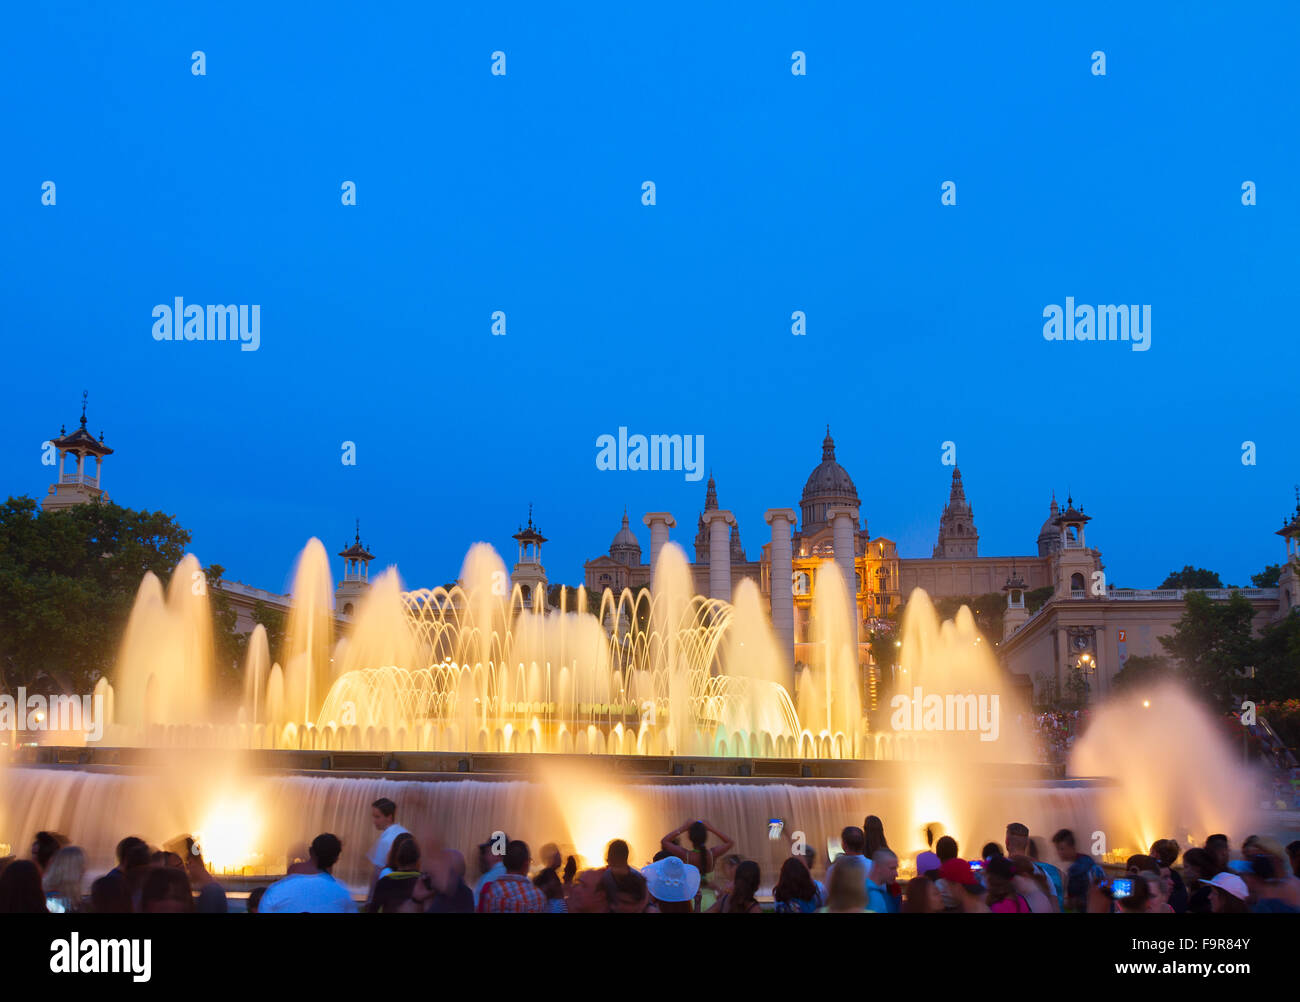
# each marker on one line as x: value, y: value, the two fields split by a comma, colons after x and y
x: 672, y: 879
x: 1230, y: 883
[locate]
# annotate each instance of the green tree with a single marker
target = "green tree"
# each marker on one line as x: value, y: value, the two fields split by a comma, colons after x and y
x: 273, y: 621
x: 1038, y: 597
x: 1076, y: 689
x: 228, y: 646
x: 1211, y: 642
x: 1268, y: 577
x: 884, y: 650
x: 570, y: 595
x: 1141, y: 672
x: 987, y: 611
x: 1192, y: 577
x: 67, y: 582
x: 1277, y: 659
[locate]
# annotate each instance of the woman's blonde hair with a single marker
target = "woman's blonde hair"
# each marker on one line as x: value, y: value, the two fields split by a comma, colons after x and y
x: 848, y: 885
x: 66, y: 874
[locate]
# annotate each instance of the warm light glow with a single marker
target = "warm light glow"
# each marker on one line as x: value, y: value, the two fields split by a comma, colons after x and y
x: 597, y: 817
x: 229, y: 835
x: 1146, y: 702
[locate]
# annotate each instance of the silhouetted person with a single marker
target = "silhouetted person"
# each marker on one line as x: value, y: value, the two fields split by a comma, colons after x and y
x: 44, y: 846
x: 20, y: 889
x: 311, y: 892
x: 166, y: 890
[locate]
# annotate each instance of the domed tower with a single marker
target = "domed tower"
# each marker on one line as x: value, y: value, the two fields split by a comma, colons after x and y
x: 1015, y: 615
x: 829, y: 486
x: 625, y: 548
x: 1076, y: 563
x: 84, y: 482
x: 958, y: 537
x: 356, y: 575
x: 529, y: 573
x: 1049, y: 536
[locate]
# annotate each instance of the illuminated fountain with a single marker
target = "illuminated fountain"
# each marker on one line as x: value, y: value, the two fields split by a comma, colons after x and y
x: 473, y: 669
x: 1176, y: 775
x: 663, y: 672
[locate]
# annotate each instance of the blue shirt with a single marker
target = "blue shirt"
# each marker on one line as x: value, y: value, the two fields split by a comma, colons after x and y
x: 496, y: 873
x: 1078, y: 880
x: 1053, y: 876
x: 879, y: 899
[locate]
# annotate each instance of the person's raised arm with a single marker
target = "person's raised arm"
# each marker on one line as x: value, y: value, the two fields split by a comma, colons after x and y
x: 727, y: 842
x: 668, y: 845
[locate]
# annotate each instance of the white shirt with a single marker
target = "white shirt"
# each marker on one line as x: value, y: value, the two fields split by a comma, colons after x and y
x: 304, y: 892
x: 379, y: 853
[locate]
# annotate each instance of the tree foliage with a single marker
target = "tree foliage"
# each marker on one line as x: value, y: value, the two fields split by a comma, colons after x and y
x: 1211, y: 642
x: 1268, y: 577
x: 67, y: 582
x: 1192, y: 577
x: 1141, y: 672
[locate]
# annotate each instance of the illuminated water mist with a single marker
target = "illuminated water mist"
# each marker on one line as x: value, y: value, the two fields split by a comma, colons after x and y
x: 1176, y: 775
x: 661, y: 672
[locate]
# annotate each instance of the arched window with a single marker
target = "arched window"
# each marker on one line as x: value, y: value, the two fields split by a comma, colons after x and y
x: 1076, y: 582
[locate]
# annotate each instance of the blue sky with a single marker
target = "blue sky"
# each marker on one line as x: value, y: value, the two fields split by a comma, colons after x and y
x: 775, y: 193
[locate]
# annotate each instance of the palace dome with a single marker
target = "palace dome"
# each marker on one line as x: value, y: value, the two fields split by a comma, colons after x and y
x: 625, y: 548
x: 828, y: 485
x: 1049, y: 536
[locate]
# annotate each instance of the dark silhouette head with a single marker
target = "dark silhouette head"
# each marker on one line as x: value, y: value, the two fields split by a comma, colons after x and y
x: 518, y: 856
x: 325, y: 851
x: 20, y: 889
x: 617, y: 853
x: 44, y: 846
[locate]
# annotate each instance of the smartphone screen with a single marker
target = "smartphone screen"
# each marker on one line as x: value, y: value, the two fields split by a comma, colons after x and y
x: 1121, y: 887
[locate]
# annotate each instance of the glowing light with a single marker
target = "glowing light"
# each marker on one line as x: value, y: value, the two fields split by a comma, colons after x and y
x: 229, y: 835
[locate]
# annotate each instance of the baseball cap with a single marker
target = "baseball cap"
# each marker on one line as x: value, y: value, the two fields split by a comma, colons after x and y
x: 925, y: 862
x: 959, y: 872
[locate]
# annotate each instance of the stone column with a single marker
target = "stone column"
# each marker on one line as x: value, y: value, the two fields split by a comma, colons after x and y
x: 719, y: 524
x: 782, y: 521
x: 659, y: 522
x: 844, y: 525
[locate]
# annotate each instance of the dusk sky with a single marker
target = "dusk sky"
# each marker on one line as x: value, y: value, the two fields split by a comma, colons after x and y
x: 775, y: 193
